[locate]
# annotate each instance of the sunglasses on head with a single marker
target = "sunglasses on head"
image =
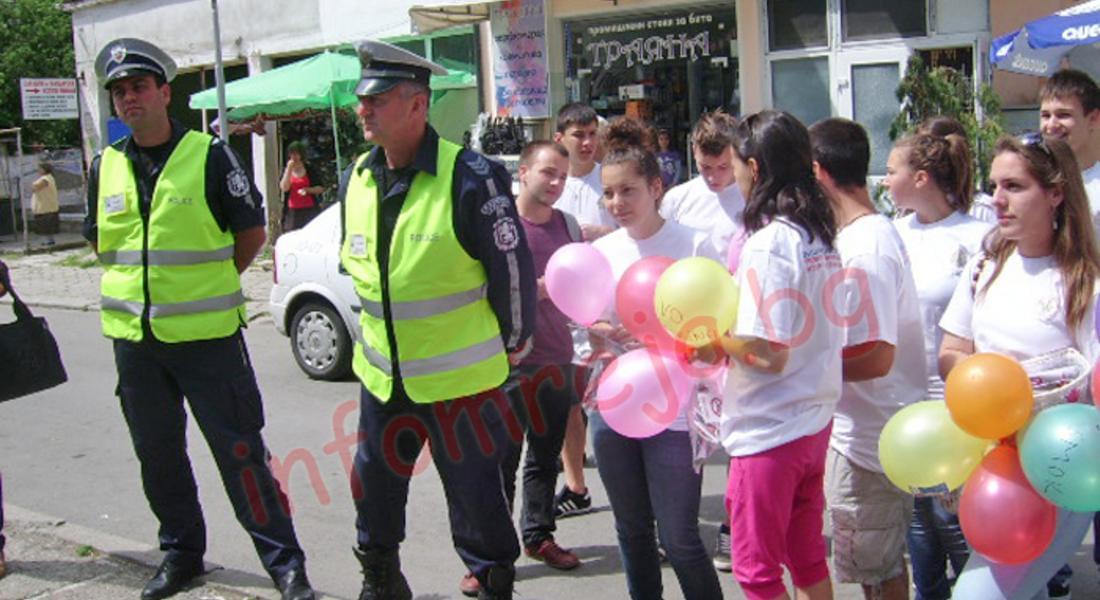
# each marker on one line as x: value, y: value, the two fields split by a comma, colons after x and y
x: 1034, y: 139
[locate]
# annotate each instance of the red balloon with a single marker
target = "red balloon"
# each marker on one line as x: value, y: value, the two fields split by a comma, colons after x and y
x: 634, y: 301
x: 1002, y: 516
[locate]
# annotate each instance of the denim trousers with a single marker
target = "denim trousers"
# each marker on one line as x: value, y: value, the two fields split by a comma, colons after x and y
x: 934, y: 539
x: 541, y: 400
x: 468, y: 438
x: 649, y: 480
x: 217, y: 380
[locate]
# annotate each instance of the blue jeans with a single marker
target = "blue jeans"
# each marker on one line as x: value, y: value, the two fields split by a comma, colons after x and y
x: 651, y: 480
x: 935, y: 538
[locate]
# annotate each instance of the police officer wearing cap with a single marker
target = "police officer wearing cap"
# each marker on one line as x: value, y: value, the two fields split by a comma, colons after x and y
x: 433, y: 243
x: 175, y: 219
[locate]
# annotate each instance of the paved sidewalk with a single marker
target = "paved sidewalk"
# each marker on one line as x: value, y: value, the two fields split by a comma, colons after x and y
x: 60, y: 561
x: 67, y: 276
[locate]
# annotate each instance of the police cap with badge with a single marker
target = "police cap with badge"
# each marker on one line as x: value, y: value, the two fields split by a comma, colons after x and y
x: 385, y: 65
x: 130, y: 57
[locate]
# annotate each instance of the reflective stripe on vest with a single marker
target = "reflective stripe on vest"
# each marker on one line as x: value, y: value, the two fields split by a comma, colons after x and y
x: 177, y: 257
x: 165, y: 257
x: 402, y: 311
x: 448, y: 342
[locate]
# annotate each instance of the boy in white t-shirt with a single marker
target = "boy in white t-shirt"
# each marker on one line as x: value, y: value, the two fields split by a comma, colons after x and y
x: 577, y: 130
x: 1069, y: 110
x: 884, y: 368
x: 577, y: 127
x: 711, y: 201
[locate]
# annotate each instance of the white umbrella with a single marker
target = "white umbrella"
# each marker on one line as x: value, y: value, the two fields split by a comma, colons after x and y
x: 1039, y: 46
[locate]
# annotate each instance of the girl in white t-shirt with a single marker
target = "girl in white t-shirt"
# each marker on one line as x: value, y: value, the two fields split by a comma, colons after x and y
x: 652, y: 479
x: 784, y: 385
x: 1031, y: 291
x: 930, y: 177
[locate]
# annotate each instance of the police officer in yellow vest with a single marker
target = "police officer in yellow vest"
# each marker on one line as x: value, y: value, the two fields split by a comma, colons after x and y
x: 433, y: 243
x: 175, y: 219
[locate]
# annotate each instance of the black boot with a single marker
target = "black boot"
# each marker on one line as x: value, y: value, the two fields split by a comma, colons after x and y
x: 497, y: 584
x: 382, y: 578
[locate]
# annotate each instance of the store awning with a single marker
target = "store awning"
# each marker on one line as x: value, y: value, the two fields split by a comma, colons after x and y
x: 439, y: 14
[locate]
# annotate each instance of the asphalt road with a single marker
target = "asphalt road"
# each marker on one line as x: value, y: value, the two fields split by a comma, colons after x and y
x: 66, y: 453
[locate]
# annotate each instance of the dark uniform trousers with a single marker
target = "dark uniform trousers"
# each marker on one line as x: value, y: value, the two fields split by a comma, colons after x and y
x: 217, y: 379
x: 469, y: 437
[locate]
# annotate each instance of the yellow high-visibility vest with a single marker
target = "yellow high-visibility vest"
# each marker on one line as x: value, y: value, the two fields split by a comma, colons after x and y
x: 448, y: 338
x: 180, y: 255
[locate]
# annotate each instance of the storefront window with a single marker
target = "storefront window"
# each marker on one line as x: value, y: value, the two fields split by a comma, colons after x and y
x: 878, y: 19
x: 795, y: 24
x: 874, y: 109
x: 414, y: 46
x: 456, y: 52
x: 801, y: 87
x: 666, y: 67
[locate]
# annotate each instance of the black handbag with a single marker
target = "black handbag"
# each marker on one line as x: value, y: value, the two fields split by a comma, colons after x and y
x: 29, y: 359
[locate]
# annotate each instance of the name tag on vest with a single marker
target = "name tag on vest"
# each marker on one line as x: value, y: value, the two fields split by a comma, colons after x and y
x: 114, y: 204
x: 358, y: 245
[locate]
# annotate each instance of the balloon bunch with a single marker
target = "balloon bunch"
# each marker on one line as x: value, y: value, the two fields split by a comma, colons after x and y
x: 667, y: 306
x: 1018, y: 469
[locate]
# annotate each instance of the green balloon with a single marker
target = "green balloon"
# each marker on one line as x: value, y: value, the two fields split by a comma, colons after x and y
x: 1060, y: 453
x: 923, y: 451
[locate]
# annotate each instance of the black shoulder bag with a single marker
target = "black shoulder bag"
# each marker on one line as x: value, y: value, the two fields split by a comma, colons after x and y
x: 29, y: 359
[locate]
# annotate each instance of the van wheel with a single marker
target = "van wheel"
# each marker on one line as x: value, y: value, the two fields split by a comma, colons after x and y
x: 320, y: 342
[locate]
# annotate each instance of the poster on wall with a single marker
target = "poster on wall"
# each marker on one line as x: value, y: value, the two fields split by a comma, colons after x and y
x: 521, y: 83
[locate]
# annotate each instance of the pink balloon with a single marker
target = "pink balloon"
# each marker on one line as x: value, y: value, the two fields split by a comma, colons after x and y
x: 634, y: 302
x: 579, y: 282
x: 1002, y: 516
x: 733, y: 256
x: 641, y: 392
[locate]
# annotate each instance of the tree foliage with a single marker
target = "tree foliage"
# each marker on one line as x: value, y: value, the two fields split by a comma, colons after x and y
x: 943, y: 91
x: 38, y: 42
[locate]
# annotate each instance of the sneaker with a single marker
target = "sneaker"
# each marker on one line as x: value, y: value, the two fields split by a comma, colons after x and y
x: 553, y: 555
x: 1057, y: 591
x: 570, y: 504
x: 722, y: 553
x: 469, y: 585
x: 3, y: 565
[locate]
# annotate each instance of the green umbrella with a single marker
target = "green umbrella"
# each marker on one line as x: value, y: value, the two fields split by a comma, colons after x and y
x: 322, y: 82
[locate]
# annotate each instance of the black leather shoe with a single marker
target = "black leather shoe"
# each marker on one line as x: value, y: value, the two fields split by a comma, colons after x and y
x: 170, y: 579
x: 295, y: 585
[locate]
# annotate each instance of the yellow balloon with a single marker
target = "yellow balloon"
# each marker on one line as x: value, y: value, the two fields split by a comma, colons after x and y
x: 922, y: 449
x: 696, y: 300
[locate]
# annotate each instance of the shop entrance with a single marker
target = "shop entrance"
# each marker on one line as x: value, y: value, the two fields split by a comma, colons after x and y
x: 665, y: 67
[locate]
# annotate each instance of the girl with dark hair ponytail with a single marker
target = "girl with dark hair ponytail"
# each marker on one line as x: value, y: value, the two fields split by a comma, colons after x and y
x: 785, y: 381
x: 649, y: 481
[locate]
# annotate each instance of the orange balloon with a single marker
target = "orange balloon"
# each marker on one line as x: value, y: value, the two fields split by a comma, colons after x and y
x: 989, y: 395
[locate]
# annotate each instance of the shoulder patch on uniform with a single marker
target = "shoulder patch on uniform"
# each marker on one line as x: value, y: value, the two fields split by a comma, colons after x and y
x: 495, y: 206
x: 505, y: 234
x: 477, y: 162
x: 237, y: 182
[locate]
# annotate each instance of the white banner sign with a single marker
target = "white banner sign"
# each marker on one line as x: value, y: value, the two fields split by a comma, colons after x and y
x: 46, y: 99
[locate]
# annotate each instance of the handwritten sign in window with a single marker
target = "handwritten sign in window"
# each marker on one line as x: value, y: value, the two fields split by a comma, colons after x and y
x: 521, y: 83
